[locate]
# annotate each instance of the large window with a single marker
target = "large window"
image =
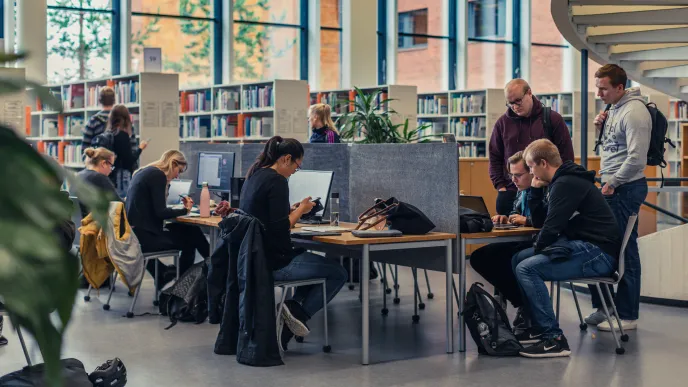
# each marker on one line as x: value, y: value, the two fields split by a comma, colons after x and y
x: 330, y: 44
x: 182, y: 29
x: 487, y: 65
x: 487, y: 19
x: 266, y: 40
x: 489, y: 42
x: 547, y: 50
x: 410, y: 23
x: 79, y: 39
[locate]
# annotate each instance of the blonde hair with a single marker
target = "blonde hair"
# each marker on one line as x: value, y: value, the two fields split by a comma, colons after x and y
x: 324, y: 114
x: 543, y: 149
x: 94, y: 156
x: 169, y: 160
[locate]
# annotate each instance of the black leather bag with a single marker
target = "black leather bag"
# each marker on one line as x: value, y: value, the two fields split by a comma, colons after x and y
x: 73, y: 375
x: 187, y: 299
x: 397, y: 215
x: 471, y: 221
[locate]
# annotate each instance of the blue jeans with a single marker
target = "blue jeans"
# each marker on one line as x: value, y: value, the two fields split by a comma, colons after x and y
x: 310, y: 266
x: 586, y: 260
x: 625, y: 201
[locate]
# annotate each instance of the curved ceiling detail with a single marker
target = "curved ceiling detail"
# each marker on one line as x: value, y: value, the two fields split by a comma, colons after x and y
x: 648, y: 38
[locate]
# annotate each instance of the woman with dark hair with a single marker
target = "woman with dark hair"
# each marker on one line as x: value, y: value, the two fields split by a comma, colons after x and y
x: 265, y: 196
x: 119, y: 123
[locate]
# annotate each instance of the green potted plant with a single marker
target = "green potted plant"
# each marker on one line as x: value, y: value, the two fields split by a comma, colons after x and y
x: 38, y: 278
x: 371, y: 123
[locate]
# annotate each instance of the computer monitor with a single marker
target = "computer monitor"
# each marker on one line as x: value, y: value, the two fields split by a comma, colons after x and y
x: 316, y: 184
x: 177, y: 187
x: 216, y: 169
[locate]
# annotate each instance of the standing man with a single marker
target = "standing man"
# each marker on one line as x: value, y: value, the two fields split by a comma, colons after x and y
x: 626, y: 139
x: 523, y: 123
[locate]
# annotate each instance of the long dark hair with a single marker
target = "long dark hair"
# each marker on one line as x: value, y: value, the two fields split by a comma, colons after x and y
x: 275, y: 148
x: 119, y: 120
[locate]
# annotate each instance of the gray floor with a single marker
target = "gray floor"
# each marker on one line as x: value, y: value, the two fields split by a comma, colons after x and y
x: 403, y: 354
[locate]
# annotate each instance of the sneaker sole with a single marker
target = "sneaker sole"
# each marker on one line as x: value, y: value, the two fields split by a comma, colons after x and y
x: 534, y: 341
x: 546, y: 355
x: 616, y: 328
x: 294, y: 325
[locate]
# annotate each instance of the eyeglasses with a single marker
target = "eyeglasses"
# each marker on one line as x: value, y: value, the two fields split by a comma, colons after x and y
x: 298, y: 166
x: 112, y: 167
x: 183, y: 167
x: 517, y: 175
x: 516, y: 102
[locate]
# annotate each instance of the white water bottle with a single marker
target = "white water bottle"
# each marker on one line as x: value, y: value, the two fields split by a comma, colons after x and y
x: 334, y: 209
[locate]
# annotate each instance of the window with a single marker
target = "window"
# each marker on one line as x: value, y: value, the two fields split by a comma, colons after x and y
x: 330, y: 44
x: 79, y: 39
x: 487, y: 19
x: 413, y: 22
x: 266, y: 40
x: 547, y: 50
x: 487, y: 65
x: 185, y: 41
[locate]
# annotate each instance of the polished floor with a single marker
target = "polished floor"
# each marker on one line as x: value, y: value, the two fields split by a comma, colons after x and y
x: 402, y: 353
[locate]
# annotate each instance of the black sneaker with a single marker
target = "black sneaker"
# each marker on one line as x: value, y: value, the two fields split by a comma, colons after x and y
x: 557, y: 347
x: 529, y: 336
x: 520, y: 322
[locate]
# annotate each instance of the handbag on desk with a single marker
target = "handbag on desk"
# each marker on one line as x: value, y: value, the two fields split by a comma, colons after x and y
x: 396, y: 215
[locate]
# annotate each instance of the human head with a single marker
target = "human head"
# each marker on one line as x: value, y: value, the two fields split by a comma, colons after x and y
x: 107, y: 97
x: 320, y: 115
x: 119, y: 119
x: 172, y: 163
x: 282, y: 154
x: 610, y: 81
x: 543, y: 159
x: 519, y: 97
x: 519, y: 172
x: 100, y: 160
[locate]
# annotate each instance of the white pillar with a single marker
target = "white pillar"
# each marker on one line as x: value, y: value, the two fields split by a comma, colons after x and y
x: 462, y: 49
x: 525, y: 50
x: 392, y: 33
x: 314, y: 24
x: 125, y: 37
x: 32, y: 36
x: 572, y: 69
x: 359, y: 53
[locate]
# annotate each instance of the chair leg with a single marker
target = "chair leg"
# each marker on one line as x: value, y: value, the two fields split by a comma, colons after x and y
x: 558, y: 298
x: 416, y: 286
x: 326, y: 347
x: 619, y: 349
x: 427, y: 282
x: 23, y: 345
x: 155, y: 284
x: 456, y: 296
x: 415, y: 318
x: 395, y: 277
x: 583, y: 326
x: 87, y: 297
x: 624, y: 336
x: 351, y: 273
x: 112, y: 289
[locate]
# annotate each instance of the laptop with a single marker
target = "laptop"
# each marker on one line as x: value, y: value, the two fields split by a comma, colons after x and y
x: 475, y: 203
x: 177, y: 187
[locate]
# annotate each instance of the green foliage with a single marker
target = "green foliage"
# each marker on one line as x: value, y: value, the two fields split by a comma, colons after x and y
x: 371, y: 123
x: 196, y: 59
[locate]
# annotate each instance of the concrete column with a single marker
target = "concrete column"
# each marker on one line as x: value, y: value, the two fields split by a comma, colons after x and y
x: 314, y: 44
x: 32, y: 36
x: 524, y: 71
x: 462, y: 49
x: 359, y: 42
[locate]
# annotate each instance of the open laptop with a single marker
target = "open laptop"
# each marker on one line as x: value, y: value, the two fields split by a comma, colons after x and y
x: 178, y: 187
x: 477, y: 204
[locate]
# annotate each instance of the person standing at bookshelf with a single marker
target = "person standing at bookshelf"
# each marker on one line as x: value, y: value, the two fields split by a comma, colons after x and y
x: 522, y: 124
x: 98, y: 122
x: 119, y: 123
x: 322, y: 126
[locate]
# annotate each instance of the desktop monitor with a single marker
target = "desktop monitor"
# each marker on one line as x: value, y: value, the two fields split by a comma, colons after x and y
x: 316, y: 184
x: 178, y: 187
x: 217, y: 169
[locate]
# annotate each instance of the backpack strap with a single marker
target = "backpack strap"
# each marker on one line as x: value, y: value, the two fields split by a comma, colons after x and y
x: 547, y: 122
x: 599, y: 138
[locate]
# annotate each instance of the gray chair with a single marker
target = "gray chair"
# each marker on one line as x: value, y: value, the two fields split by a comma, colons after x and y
x: 286, y: 285
x: 606, y: 283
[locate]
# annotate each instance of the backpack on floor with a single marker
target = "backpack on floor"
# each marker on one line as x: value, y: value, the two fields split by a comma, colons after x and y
x: 187, y: 299
x: 488, y: 323
x: 73, y: 375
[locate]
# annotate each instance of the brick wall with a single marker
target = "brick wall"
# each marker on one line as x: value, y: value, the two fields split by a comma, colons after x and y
x: 330, y: 46
x: 423, y: 67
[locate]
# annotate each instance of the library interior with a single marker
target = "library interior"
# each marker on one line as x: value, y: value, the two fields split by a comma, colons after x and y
x: 193, y: 187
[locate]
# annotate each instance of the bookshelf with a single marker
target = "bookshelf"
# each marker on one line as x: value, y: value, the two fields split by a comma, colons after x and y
x: 244, y: 112
x: 14, y: 112
x: 568, y: 104
x: 150, y: 97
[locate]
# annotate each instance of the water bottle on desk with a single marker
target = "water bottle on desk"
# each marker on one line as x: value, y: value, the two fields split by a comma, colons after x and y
x: 334, y: 209
x: 204, y: 205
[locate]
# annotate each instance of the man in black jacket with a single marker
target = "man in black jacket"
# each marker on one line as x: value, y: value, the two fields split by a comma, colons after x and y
x: 579, y: 238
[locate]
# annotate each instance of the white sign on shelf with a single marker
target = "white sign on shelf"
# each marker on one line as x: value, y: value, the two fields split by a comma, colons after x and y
x: 152, y: 59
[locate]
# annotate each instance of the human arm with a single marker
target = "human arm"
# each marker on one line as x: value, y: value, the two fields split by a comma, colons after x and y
x: 564, y: 199
x: 157, y: 186
x: 496, y: 155
x: 638, y: 126
x: 299, y: 209
x: 561, y: 137
x: 538, y: 207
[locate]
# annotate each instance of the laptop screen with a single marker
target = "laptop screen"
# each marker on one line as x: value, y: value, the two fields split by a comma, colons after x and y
x: 475, y: 203
x: 177, y: 187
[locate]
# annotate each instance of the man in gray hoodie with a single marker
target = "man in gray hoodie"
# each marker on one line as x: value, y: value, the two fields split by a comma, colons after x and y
x: 625, y: 142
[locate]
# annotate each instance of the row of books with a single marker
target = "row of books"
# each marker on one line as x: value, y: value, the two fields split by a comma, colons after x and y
x: 243, y: 126
x: 339, y: 104
x: 560, y: 105
x: 435, y: 128
x: 678, y: 110
x: 195, y: 127
x: 469, y: 127
x: 225, y: 126
x: 63, y: 152
x: 49, y: 128
x: 127, y: 92
x: 73, y: 97
x: 258, y: 97
x: 226, y: 100
x: 471, y: 149
x: 199, y: 101
x: 433, y: 105
x: 258, y: 127
x: 72, y: 154
x: 92, y: 95
x: 468, y: 103
x: 73, y: 125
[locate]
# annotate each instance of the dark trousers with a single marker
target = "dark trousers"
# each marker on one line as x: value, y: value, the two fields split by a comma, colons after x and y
x: 505, y: 202
x: 176, y: 236
x: 625, y: 201
x: 493, y: 262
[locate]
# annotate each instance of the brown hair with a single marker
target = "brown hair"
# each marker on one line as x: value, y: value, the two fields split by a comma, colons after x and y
x: 617, y: 75
x: 275, y: 148
x: 94, y: 156
x: 518, y: 158
x: 169, y: 160
x: 119, y: 119
x: 543, y: 149
x: 324, y: 114
x: 107, y: 96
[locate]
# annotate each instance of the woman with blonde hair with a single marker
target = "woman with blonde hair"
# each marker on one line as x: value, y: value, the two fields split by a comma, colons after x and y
x: 120, y: 125
x: 100, y: 163
x: 322, y: 126
x: 147, y: 211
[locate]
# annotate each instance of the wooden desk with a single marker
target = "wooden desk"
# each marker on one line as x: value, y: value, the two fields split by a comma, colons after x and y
x: 364, y: 247
x: 520, y: 234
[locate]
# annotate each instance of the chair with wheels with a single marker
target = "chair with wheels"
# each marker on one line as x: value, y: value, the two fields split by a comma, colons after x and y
x: 287, y: 285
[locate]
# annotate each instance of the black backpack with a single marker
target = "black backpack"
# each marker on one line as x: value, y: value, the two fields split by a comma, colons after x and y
x: 488, y: 323
x: 547, y: 122
x: 187, y: 299
x: 104, y: 140
x: 471, y: 221
x: 72, y: 370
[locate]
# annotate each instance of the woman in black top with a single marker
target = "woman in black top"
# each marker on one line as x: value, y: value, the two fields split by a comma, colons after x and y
x: 119, y: 123
x: 265, y: 195
x: 147, y: 211
x: 100, y: 163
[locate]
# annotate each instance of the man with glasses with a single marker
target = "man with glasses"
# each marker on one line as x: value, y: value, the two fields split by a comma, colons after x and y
x: 493, y: 261
x: 525, y: 121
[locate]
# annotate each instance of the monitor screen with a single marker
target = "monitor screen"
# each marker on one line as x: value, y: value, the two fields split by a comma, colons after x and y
x: 177, y: 187
x: 217, y: 169
x: 316, y: 184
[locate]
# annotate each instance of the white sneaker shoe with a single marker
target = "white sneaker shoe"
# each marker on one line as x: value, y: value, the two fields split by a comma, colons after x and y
x: 627, y: 325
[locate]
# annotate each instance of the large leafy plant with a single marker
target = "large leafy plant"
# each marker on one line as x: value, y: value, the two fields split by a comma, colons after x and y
x: 38, y: 277
x: 370, y: 122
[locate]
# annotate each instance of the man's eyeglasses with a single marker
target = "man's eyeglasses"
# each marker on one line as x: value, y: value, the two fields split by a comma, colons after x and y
x: 517, y: 175
x: 516, y: 102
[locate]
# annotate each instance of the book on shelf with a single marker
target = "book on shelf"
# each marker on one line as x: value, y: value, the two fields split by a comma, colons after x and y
x: 198, y: 127
x: 225, y: 126
x: 436, y: 104
x: 561, y: 105
x: 256, y: 97
x: 226, y: 100
x: 435, y: 128
x: 469, y: 127
x: 73, y: 125
x: 338, y: 104
x: 49, y: 148
x: 678, y: 110
x: 468, y: 104
x: 258, y: 126
x: 73, y: 154
x: 73, y: 97
x: 49, y: 127
x: 127, y: 92
x: 135, y: 120
x: 92, y: 95
x: 198, y: 101
x: 471, y: 149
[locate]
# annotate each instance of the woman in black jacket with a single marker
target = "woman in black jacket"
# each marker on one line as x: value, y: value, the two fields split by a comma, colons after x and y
x: 147, y: 211
x: 119, y: 123
x: 265, y: 196
x: 100, y: 163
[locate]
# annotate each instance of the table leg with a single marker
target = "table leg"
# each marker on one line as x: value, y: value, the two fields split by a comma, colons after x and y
x: 449, y: 269
x: 462, y: 294
x: 213, y: 238
x: 365, y: 323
